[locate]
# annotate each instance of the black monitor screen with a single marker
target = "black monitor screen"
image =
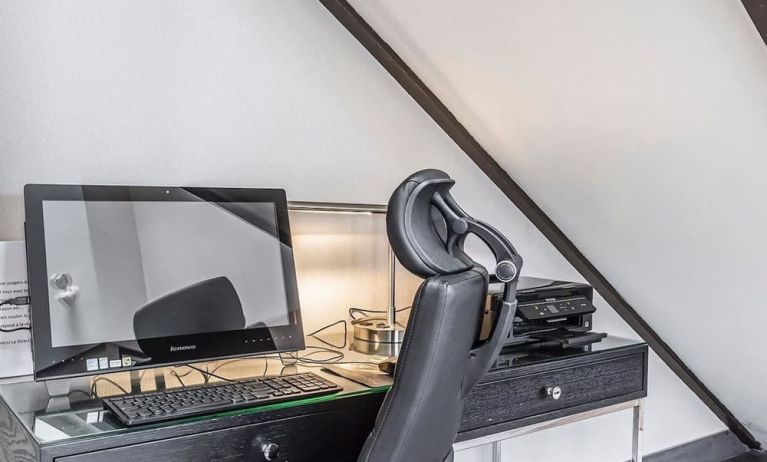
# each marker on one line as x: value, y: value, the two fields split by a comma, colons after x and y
x: 142, y: 276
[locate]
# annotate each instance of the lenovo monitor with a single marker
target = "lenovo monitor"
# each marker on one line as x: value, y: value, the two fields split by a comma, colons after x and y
x: 125, y: 277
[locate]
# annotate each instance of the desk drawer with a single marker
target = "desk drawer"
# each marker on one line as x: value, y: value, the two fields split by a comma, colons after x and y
x: 333, y: 436
x: 518, y: 397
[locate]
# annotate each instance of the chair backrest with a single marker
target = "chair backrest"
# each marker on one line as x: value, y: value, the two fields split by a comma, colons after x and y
x: 442, y: 356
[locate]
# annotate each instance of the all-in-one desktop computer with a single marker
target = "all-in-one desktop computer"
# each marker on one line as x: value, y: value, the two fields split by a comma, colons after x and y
x: 126, y: 277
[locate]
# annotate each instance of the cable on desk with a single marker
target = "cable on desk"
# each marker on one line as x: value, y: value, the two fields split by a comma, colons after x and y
x: 219, y: 366
x: 333, y: 324
x: 207, y: 374
x: 178, y: 377
x: 210, y: 374
x: 96, y: 380
x: 307, y: 361
x: 363, y: 311
x: 307, y: 357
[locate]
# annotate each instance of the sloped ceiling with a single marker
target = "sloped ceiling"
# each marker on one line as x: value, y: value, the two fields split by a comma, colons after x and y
x: 639, y: 128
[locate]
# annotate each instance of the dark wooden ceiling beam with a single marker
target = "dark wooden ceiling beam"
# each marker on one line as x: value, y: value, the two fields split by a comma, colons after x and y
x: 418, y: 90
x: 757, y: 9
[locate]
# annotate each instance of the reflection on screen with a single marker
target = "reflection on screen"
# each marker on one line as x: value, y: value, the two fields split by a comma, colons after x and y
x: 128, y: 270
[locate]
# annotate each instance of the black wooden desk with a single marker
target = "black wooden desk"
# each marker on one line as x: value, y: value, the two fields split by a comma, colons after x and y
x: 526, y: 391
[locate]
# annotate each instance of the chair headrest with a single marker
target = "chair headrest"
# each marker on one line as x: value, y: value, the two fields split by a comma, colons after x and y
x: 417, y: 226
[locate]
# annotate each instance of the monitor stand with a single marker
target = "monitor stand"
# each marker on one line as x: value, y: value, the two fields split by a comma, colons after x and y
x: 60, y: 390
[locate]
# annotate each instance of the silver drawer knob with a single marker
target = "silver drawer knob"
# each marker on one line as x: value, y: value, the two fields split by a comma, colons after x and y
x: 554, y: 392
x: 270, y: 450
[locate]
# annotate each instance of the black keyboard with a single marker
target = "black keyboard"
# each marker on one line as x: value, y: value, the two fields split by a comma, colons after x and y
x: 159, y: 406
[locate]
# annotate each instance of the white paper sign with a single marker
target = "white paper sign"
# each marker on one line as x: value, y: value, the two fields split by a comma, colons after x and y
x: 15, y: 347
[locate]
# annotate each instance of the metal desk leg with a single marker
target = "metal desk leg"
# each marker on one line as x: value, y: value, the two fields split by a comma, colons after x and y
x: 636, y: 440
x: 497, y: 456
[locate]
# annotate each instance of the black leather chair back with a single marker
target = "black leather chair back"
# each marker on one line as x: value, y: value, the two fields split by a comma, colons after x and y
x: 442, y: 356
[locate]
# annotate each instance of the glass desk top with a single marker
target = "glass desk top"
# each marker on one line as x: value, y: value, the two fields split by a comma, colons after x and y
x: 80, y: 414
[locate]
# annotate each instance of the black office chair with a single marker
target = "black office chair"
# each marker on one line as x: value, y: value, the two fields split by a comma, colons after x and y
x: 442, y: 356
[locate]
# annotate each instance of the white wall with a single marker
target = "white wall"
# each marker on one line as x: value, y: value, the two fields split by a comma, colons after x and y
x: 253, y: 93
x: 639, y: 127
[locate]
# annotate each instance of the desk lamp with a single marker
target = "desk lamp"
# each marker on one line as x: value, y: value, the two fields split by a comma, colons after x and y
x: 373, y: 334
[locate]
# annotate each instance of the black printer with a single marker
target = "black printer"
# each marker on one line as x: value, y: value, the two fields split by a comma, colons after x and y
x: 550, y: 314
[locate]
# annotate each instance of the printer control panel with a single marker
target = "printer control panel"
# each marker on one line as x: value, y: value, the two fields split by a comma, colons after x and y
x: 551, y: 308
